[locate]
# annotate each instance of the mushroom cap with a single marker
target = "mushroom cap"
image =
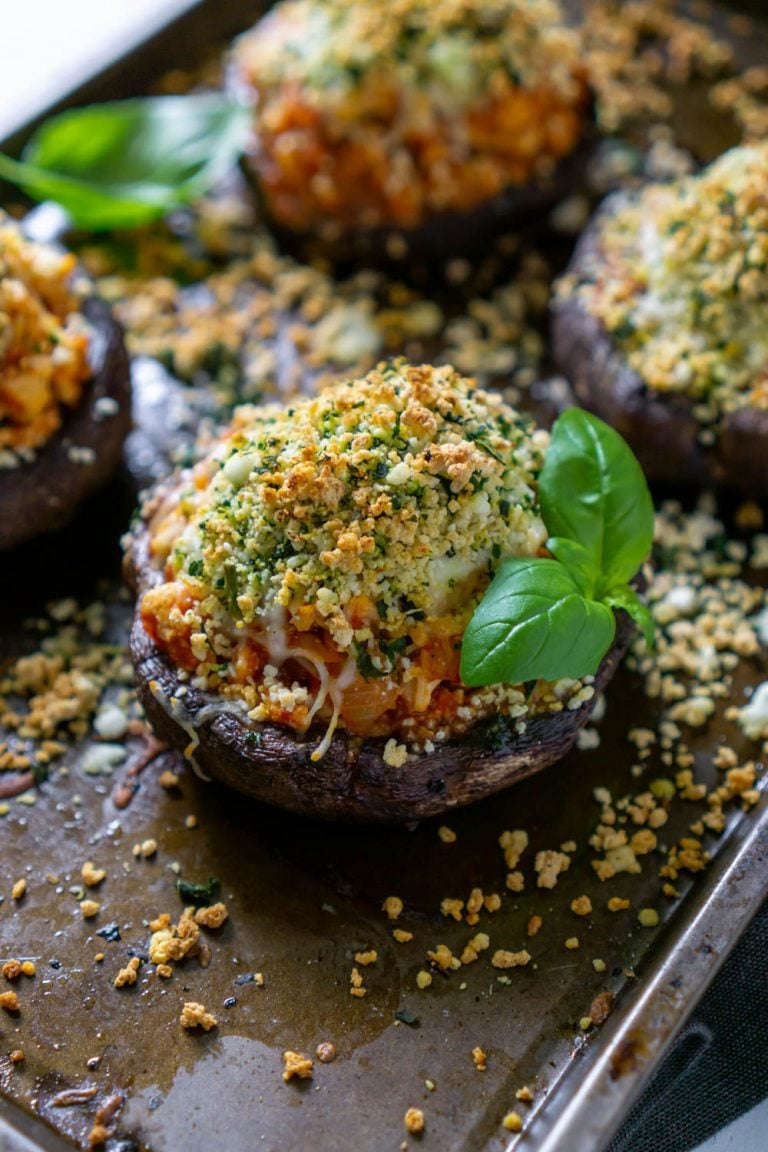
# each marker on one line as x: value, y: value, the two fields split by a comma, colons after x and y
x: 352, y: 782
x: 43, y: 494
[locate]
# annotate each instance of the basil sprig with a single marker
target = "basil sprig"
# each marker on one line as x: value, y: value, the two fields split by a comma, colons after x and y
x: 126, y: 163
x: 546, y: 618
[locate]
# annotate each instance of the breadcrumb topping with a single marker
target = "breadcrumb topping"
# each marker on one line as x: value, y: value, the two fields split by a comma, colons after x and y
x: 440, y: 106
x: 324, y: 560
x: 44, y: 342
x: 680, y: 281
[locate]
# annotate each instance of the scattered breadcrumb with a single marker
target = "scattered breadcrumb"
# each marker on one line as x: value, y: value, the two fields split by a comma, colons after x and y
x: 92, y: 876
x: 524, y: 1094
x: 414, y: 1121
x: 213, y: 916
x: 19, y: 889
x: 356, y: 984
x: 452, y: 907
x: 98, y: 1135
x: 89, y: 908
x: 423, y: 979
x: 512, y: 1122
x: 582, y: 905
x: 10, y: 1002
x: 393, y: 906
x: 194, y: 1015
x: 443, y: 958
x: 366, y: 958
x: 480, y: 1059
x: 600, y: 1008
x: 446, y: 834
x: 297, y: 1066
x: 513, y: 844
x: 534, y: 925
x: 503, y: 959
x: 128, y: 975
x: 401, y: 935
x: 572, y: 943
x: 549, y: 865
x: 648, y: 917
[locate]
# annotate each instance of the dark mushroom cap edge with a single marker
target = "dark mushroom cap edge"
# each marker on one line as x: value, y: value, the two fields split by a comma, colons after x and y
x: 42, y: 495
x: 351, y: 782
x: 661, y: 429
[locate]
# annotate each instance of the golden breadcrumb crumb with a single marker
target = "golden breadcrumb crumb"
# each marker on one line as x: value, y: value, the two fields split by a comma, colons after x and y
x: 92, y: 876
x: 194, y: 1015
x: 9, y: 1001
x: 212, y: 916
x: 128, y: 974
x: 393, y: 906
x: 297, y: 1066
x: 504, y: 959
x: 414, y: 1120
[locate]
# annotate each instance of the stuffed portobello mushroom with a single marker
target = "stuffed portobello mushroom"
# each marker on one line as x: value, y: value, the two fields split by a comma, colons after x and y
x: 410, y: 128
x: 660, y: 323
x: 303, y: 592
x: 64, y: 388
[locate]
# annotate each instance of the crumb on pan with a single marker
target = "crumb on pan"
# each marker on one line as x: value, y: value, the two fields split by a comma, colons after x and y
x: 297, y: 1067
x: 414, y: 1120
x: 194, y: 1015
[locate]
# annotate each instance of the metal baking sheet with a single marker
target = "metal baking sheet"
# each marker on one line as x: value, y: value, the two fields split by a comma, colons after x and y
x: 304, y: 898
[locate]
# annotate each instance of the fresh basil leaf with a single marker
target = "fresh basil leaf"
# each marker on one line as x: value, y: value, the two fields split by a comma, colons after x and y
x: 592, y: 489
x: 533, y: 623
x: 578, y: 560
x: 121, y: 164
x: 629, y: 600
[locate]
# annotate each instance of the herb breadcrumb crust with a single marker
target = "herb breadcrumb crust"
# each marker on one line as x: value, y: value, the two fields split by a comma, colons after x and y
x: 659, y: 322
x: 64, y: 387
x: 372, y: 117
x: 316, y: 571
